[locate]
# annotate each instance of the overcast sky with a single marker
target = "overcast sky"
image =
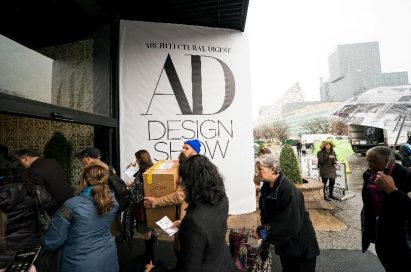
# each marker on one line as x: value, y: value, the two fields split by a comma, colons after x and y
x: 291, y: 40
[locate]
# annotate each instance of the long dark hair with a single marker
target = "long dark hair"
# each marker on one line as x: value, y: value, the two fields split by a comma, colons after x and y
x: 201, y: 180
x: 143, y: 159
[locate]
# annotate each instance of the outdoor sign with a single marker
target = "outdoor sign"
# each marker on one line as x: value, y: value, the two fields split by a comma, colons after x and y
x: 179, y: 82
x: 309, y: 168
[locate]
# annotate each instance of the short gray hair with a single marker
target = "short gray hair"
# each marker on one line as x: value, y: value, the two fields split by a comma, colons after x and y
x: 270, y: 161
x: 384, y: 152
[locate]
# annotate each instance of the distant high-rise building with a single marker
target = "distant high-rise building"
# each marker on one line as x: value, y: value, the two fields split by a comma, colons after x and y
x: 355, y: 68
x: 293, y: 94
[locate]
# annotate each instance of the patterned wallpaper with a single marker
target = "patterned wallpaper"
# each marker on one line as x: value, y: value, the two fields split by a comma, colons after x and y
x: 72, y: 79
x: 17, y: 132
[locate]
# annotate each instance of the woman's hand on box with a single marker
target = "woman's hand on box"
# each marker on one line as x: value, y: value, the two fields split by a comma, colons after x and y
x: 148, y: 201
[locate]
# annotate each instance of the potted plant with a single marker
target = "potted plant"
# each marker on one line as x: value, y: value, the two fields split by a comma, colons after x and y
x: 310, y: 188
x: 289, y: 164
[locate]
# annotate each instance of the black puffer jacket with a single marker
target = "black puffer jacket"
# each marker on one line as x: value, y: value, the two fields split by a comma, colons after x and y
x: 20, y: 207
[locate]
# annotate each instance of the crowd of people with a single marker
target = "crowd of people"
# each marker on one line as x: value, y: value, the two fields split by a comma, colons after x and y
x: 88, y: 223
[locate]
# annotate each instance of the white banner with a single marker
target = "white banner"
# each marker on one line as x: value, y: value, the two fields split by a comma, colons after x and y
x: 309, y: 168
x: 179, y: 82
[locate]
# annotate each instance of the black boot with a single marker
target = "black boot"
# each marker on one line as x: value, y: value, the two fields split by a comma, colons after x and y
x: 148, y: 254
x: 325, y: 193
x: 331, y: 190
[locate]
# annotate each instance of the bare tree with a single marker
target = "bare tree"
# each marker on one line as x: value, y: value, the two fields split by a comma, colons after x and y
x: 316, y: 126
x: 281, y: 131
x: 338, y: 127
x: 266, y: 132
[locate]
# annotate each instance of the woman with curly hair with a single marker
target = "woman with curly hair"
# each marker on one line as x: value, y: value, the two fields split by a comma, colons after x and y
x: 81, y: 228
x: 203, y: 229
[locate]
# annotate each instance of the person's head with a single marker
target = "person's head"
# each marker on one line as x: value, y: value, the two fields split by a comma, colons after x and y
x: 409, y: 140
x: 89, y: 155
x: 201, y: 181
x: 96, y: 176
x: 143, y: 158
x: 264, y: 150
x: 27, y: 156
x: 327, y: 145
x: 191, y: 147
x: 268, y: 167
x: 11, y: 171
x: 378, y: 158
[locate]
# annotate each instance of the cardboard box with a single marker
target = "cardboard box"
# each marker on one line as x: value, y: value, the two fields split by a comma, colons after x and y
x: 160, y: 180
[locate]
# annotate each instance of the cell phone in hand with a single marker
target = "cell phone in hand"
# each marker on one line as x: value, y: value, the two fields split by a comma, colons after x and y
x: 23, y: 260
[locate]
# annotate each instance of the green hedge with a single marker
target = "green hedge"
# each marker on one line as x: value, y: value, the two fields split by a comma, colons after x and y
x: 289, y: 165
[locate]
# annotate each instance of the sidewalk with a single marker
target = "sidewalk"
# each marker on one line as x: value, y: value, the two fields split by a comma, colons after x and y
x: 337, y: 229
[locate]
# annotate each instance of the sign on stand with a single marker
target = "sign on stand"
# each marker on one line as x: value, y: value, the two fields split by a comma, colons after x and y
x: 309, y: 168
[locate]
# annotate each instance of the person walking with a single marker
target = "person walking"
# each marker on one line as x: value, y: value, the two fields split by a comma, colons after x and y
x: 384, y: 215
x: 405, y: 152
x: 284, y: 218
x: 299, y: 146
x: 82, y: 226
x: 327, y: 163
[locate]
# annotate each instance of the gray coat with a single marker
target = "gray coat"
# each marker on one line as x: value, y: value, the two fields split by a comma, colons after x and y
x: 326, y: 165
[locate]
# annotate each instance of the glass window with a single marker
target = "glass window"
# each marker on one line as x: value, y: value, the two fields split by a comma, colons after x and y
x: 75, y: 75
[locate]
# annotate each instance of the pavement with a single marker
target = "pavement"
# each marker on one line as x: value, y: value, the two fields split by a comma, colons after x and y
x: 337, y: 226
x: 337, y: 229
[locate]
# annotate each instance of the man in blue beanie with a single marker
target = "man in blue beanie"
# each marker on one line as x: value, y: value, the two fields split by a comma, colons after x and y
x: 191, y: 148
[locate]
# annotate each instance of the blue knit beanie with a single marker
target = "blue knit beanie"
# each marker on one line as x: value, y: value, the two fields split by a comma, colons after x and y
x: 195, y: 144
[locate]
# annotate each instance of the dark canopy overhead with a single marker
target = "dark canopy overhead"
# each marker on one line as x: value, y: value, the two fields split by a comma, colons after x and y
x: 42, y: 23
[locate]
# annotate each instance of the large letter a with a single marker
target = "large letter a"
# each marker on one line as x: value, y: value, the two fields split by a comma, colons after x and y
x: 175, y: 85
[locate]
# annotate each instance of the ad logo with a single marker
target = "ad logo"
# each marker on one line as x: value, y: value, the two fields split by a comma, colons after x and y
x: 197, y: 92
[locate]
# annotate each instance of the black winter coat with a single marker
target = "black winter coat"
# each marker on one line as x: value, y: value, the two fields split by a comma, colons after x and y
x: 52, y: 176
x: 22, y: 228
x: 391, y: 244
x: 202, y: 239
x: 326, y: 165
x: 292, y: 233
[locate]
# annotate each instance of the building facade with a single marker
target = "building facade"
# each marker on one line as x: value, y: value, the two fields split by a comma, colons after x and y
x: 355, y: 68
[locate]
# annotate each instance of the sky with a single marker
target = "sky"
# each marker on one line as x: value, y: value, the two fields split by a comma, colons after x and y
x: 291, y: 40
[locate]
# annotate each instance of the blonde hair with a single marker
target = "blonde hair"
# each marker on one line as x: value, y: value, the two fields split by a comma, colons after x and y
x: 97, y: 176
x: 324, y: 143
